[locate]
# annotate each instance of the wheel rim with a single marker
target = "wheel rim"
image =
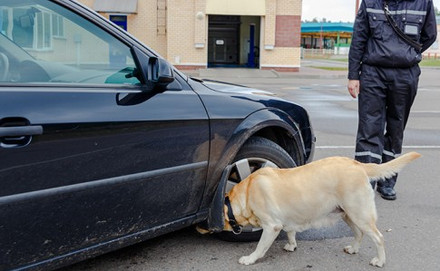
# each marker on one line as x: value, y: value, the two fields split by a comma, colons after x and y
x: 243, y: 168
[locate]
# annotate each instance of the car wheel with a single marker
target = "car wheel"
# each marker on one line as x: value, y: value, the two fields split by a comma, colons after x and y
x: 256, y: 153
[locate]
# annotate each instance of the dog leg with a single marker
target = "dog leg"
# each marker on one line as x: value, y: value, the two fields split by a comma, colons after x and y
x: 291, y: 246
x: 377, y: 238
x: 358, y: 235
x: 371, y: 230
x: 269, y: 235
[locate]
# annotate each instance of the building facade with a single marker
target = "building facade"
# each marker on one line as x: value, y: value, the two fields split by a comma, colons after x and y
x: 333, y: 37
x: 194, y: 34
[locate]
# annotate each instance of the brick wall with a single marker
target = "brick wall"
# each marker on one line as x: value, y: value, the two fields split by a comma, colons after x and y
x: 282, y: 30
x: 288, y: 31
x: 182, y: 24
x: 282, y: 59
x: 269, y: 23
x: 289, y: 7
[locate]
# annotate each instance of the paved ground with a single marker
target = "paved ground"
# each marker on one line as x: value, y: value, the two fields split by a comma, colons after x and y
x: 306, y: 71
x: 410, y: 224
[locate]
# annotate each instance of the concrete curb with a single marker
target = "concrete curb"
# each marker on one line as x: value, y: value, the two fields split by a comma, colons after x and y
x: 304, y: 72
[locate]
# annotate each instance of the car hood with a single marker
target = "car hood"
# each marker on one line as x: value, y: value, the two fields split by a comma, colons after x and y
x: 233, y: 88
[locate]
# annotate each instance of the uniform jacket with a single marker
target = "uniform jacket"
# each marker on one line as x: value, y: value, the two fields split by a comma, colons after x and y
x: 376, y: 43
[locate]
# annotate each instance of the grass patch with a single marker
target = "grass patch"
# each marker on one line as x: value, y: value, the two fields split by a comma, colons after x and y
x: 317, y: 56
x: 426, y: 62
x: 430, y: 62
x: 330, y: 68
x: 339, y: 59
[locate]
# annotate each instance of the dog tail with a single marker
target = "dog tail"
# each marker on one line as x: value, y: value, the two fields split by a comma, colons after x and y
x: 391, y: 168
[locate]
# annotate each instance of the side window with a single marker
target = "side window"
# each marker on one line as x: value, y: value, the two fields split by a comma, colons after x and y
x: 42, y: 42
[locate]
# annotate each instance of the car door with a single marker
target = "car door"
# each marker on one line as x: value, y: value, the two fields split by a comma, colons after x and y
x: 89, y: 153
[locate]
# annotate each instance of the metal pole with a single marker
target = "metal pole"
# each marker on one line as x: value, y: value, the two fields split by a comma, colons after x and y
x: 322, y: 41
x: 356, y: 8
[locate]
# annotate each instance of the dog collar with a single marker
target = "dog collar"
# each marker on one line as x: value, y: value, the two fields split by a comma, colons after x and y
x: 236, y: 228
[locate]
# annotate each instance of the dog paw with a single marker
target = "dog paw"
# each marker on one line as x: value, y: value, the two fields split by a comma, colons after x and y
x: 246, y: 260
x: 376, y: 262
x: 350, y: 250
x: 289, y: 247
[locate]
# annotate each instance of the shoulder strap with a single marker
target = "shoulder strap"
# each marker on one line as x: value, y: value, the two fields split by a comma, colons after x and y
x: 399, y: 32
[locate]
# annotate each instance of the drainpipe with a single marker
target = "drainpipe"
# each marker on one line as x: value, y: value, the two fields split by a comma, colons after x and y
x: 251, y: 54
x: 356, y: 8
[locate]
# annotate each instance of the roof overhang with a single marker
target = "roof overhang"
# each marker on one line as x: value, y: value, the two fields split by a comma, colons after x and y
x: 116, y: 6
x: 326, y: 27
x: 236, y: 7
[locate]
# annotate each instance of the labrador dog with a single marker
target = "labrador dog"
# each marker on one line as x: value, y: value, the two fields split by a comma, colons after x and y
x: 313, y: 195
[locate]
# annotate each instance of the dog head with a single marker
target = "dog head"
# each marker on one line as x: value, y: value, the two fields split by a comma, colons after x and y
x: 230, y: 223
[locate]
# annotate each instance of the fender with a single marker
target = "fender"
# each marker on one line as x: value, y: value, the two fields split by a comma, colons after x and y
x: 256, y: 122
x: 216, y: 218
x: 269, y: 118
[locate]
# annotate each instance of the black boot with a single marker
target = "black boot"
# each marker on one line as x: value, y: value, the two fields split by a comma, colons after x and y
x: 386, y: 188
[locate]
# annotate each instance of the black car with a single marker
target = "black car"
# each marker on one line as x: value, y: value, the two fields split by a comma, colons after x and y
x: 104, y: 144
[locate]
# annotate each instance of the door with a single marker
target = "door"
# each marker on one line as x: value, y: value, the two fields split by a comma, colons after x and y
x: 79, y: 165
x: 223, y: 40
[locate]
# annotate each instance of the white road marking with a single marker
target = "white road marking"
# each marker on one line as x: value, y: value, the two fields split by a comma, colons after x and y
x: 423, y: 112
x: 352, y: 147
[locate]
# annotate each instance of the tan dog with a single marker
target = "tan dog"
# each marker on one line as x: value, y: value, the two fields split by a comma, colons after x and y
x: 312, y: 195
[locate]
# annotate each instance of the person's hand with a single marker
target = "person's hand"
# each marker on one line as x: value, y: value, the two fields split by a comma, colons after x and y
x: 353, y: 88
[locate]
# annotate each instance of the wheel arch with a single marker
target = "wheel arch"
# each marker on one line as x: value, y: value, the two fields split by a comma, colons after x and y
x: 273, y: 125
x: 283, y: 138
x: 276, y: 126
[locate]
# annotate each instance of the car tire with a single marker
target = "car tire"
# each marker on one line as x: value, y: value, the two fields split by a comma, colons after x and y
x: 256, y: 153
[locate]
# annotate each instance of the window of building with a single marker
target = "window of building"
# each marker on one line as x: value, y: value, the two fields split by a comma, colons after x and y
x: 42, y: 32
x: 119, y: 20
x: 57, y: 26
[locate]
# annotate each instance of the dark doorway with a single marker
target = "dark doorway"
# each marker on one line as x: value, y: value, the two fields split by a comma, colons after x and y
x: 233, y: 41
x: 223, y: 41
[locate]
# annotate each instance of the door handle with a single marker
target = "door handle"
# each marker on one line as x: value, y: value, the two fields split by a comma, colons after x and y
x: 18, y: 136
x: 17, y: 131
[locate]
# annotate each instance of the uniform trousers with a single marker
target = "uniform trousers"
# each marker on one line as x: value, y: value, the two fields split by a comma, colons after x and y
x: 384, y: 102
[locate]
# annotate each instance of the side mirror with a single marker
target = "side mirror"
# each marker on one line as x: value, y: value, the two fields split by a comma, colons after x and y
x: 156, y: 73
x: 160, y: 73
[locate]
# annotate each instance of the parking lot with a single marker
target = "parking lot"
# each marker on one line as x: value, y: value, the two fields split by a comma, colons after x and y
x: 409, y: 224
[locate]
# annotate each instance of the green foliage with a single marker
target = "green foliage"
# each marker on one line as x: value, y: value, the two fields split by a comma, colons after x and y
x: 330, y: 68
x: 430, y: 62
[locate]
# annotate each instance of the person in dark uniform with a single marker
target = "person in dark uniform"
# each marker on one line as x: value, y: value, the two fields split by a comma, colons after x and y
x: 384, y: 73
